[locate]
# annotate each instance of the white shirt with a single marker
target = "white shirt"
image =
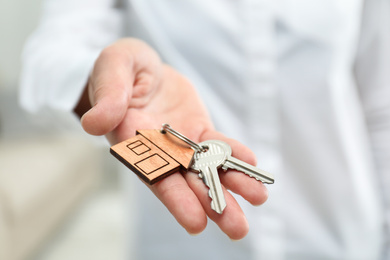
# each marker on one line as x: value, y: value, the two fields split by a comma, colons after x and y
x: 305, y: 84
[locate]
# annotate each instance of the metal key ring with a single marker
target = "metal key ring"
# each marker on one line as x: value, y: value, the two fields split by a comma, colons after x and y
x: 168, y: 128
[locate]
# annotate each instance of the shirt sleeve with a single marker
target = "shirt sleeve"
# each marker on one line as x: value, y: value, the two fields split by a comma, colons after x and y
x: 59, y: 55
x: 373, y: 77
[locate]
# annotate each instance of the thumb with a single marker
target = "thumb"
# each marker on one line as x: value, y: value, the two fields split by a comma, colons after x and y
x: 109, y: 90
x: 106, y: 114
x: 119, y: 69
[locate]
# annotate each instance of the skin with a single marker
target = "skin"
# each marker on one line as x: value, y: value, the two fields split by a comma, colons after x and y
x: 130, y: 88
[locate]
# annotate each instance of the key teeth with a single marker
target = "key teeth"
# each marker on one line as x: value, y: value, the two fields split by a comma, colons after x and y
x: 219, y: 211
x: 233, y: 165
x: 259, y: 179
x: 210, y: 195
x: 211, y: 203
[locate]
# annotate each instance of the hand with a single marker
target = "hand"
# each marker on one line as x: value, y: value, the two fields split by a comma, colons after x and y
x: 129, y: 89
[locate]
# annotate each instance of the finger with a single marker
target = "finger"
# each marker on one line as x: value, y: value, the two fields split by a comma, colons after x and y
x: 255, y: 192
x: 122, y: 73
x: 181, y: 201
x: 109, y: 92
x: 250, y: 189
x: 232, y: 221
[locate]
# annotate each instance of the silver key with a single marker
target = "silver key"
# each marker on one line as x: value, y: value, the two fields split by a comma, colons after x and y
x: 241, y: 166
x: 207, y: 164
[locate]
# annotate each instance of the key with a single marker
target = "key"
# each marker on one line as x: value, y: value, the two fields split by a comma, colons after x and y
x: 218, y: 155
x: 241, y: 166
x: 207, y: 164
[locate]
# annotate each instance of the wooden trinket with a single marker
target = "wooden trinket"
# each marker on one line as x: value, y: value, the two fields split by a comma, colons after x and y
x: 154, y: 155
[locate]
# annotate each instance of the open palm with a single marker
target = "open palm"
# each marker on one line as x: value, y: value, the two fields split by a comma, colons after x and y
x: 129, y: 89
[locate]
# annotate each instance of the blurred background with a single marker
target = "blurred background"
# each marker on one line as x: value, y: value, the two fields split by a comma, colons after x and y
x: 60, y: 196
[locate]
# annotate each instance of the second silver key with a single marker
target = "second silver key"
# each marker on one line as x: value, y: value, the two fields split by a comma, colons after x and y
x: 241, y: 166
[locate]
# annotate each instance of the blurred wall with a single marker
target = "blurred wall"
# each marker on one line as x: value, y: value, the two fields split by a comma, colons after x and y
x: 38, y: 164
x: 17, y: 20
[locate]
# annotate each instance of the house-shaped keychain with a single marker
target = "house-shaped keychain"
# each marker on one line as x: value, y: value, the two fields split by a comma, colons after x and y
x: 154, y: 155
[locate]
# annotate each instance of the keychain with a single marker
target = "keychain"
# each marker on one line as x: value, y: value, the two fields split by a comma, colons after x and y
x: 155, y: 154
